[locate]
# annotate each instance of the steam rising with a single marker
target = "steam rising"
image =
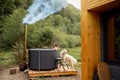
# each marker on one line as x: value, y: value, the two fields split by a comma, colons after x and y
x: 41, y: 9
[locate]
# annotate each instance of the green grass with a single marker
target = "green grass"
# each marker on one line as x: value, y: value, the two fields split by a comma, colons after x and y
x: 8, y: 59
x: 76, y: 53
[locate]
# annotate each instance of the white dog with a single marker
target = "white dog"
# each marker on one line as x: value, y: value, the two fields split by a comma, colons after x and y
x: 68, y: 58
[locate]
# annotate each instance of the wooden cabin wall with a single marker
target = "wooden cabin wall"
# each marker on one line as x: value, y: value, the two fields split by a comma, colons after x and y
x: 90, y: 34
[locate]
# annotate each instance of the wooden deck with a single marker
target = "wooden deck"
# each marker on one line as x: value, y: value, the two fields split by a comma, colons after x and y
x: 56, y: 72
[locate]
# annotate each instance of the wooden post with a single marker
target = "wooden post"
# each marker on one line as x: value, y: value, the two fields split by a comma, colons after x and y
x: 12, y: 71
x: 24, y: 46
x: 90, y: 45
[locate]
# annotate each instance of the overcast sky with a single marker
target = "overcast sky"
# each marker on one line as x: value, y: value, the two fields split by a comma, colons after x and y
x: 76, y: 3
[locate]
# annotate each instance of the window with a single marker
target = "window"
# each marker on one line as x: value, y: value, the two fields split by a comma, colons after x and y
x: 110, y: 36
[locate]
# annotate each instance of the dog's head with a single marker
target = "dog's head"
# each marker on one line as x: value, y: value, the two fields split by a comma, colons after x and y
x: 63, y: 52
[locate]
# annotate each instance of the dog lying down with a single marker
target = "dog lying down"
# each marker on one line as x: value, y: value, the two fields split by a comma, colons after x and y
x: 66, y: 58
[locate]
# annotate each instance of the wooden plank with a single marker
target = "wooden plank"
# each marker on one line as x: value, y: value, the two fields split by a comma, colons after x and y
x: 84, y: 47
x: 56, y: 72
x: 50, y: 73
x: 95, y: 3
x: 102, y: 5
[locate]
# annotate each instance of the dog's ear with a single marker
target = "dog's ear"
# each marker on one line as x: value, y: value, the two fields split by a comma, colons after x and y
x: 63, y: 53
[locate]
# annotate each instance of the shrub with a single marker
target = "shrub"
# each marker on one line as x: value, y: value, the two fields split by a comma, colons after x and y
x: 18, y: 52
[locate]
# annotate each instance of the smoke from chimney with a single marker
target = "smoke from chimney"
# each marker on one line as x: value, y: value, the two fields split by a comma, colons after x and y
x: 41, y: 9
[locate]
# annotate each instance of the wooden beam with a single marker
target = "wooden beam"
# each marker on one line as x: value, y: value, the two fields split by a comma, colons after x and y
x: 56, y: 72
x: 95, y: 3
x: 102, y: 5
x: 90, y: 35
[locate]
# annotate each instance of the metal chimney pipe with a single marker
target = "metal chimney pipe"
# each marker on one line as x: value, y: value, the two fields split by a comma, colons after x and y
x: 24, y: 46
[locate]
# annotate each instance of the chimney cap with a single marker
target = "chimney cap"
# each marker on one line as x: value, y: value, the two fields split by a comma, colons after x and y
x: 25, y: 23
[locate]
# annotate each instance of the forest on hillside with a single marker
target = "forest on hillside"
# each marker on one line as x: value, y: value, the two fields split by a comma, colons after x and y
x: 62, y: 27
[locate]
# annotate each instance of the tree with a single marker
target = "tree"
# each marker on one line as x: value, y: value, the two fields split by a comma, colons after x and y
x: 22, y: 3
x: 12, y: 30
x: 55, y: 28
x: 6, y: 8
